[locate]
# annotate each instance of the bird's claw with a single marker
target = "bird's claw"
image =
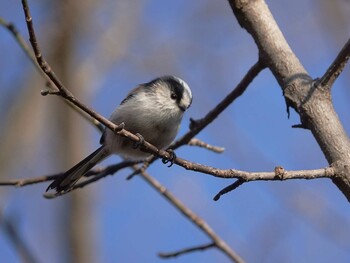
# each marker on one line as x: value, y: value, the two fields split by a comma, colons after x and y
x: 139, y: 142
x: 171, y: 159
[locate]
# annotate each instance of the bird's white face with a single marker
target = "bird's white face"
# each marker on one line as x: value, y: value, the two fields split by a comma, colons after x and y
x: 171, y: 93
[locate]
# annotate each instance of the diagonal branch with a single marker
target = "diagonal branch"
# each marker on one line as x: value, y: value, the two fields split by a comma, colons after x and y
x: 198, y: 125
x: 336, y: 68
x: 52, y: 88
x: 313, y: 105
x: 62, y: 90
x: 20, y: 40
x: 195, y: 219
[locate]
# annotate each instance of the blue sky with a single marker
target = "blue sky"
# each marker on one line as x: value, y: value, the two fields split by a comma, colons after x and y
x: 294, y: 221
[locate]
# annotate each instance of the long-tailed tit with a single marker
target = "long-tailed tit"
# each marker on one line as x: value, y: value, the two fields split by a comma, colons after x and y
x: 154, y: 110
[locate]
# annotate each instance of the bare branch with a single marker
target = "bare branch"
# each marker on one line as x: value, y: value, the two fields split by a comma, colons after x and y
x: 24, y: 46
x: 336, y: 68
x: 199, y: 143
x: 313, y: 105
x: 254, y: 176
x: 186, y: 250
x: 20, y: 40
x: 229, y: 188
x: 279, y: 174
x: 195, y: 219
x: 198, y: 125
x: 63, y: 92
x: 52, y: 90
x: 29, y: 181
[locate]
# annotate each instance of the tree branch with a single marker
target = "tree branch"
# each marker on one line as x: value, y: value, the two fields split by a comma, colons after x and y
x: 51, y: 87
x: 279, y: 174
x: 186, y: 250
x: 229, y: 188
x: 20, y: 40
x: 195, y: 219
x: 62, y: 90
x: 313, y: 105
x: 198, y: 125
x: 202, y: 144
x: 336, y: 67
x: 29, y: 181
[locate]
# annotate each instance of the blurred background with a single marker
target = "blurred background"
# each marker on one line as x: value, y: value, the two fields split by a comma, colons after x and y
x: 102, y: 49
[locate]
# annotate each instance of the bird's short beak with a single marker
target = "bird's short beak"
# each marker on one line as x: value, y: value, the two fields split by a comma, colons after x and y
x: 182, y: 107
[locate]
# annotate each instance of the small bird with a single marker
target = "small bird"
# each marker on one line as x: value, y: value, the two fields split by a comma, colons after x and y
x: 153, y: 111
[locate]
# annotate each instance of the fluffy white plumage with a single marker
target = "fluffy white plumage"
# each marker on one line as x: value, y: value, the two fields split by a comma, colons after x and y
x: 154, y: 110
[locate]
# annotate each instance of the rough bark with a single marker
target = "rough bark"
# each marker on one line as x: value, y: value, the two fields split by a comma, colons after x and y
x: 311, y: 100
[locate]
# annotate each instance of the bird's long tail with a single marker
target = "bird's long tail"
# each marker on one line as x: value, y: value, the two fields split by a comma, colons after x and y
x: 65, y: 182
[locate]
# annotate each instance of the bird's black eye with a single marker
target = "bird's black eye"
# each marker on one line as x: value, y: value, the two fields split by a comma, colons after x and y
x: 173, y: 96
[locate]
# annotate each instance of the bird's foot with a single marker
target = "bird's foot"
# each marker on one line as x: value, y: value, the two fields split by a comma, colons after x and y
x: 139, y: 142
x: 171, y: 159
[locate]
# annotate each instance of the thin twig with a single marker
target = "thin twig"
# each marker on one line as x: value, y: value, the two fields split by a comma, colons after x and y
x: 21, y: 41
x: 198, y: 125
x: 63, y: 92
x: 29, y: 53
x: 186, y: 250
x: 199, y: 222
x: 336, y: 67
x: 200, y: 143
x: 52, y: 89
x: 229, y: 188
x: 29, y: 181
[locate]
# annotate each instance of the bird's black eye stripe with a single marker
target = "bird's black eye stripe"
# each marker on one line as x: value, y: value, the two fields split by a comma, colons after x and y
x: 177, y: 89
